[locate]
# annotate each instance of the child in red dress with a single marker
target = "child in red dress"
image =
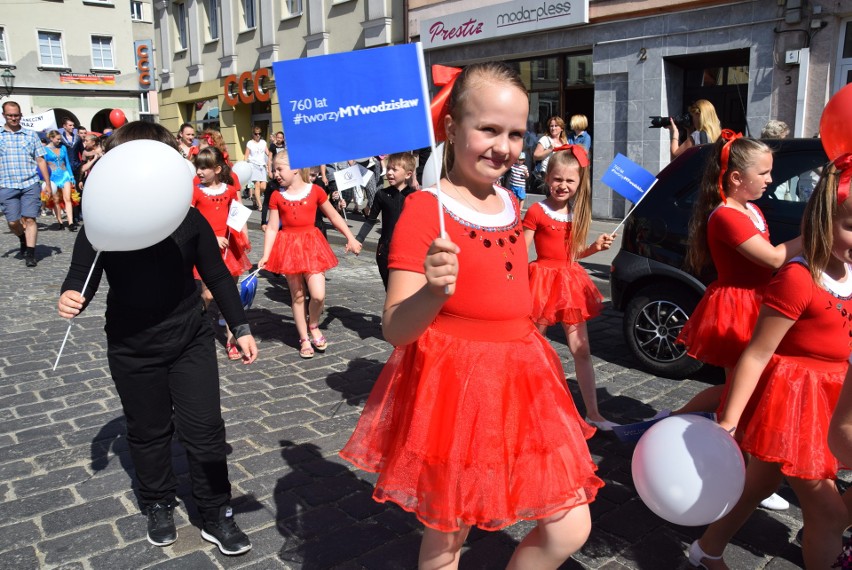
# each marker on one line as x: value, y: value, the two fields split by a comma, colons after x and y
x: 470, y: 422
x: 298, y: 250
x: 213, y: 197
x: 786, y: 384
x: 729, y: 232
x: 561, y: 290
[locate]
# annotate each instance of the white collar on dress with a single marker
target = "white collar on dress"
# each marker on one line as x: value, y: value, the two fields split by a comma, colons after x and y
x: 553, y: 215
x: 468, y: 214
x: 213, y: 190
x: 295, y: 197
x: 840, y: 289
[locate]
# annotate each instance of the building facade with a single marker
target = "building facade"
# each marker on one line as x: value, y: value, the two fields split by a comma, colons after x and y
x: 620, y: 62
x: 76, y: 58
x: 215, y: 56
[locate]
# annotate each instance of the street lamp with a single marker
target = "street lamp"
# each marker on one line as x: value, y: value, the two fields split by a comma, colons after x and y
x: 8, y: 81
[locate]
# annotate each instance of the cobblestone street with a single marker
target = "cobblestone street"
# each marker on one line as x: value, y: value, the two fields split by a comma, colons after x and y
x: 64, y: 467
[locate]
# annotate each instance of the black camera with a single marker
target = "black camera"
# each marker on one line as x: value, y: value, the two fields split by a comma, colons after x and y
x: 683, y: 121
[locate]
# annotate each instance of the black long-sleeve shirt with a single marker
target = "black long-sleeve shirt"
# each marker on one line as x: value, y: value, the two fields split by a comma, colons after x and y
x: 148, y: 285
x: 388, y: 202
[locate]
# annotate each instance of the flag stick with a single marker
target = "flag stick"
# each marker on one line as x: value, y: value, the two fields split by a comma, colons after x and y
x: 436, y: 163
x: 621, y: 223
x: 71, y: 320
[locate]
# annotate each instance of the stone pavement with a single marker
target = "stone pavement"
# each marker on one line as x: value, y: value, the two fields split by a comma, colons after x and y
x: 65, y: 478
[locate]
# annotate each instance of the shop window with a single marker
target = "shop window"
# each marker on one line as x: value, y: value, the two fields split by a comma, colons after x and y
x: 206, y: 114
x: 578, y: 70
x: 102, y: 53
x: 50, y: 49
x: 180, y: 25
x: 212, y: 19
x: 4, y: 54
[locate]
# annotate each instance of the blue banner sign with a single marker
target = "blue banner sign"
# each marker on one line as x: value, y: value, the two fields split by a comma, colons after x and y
x: 628, y: 178
x: 333, y: 108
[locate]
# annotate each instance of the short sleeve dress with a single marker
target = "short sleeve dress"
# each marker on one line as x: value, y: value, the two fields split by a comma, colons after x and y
x: 721, y: 325
x: 473, y: 422
x: 562, y: 291
x: 214, y: 204
x: 299, y: 246
x: 786, y: 420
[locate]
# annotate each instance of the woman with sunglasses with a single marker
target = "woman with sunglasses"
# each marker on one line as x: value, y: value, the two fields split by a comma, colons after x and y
x: 256, y: 155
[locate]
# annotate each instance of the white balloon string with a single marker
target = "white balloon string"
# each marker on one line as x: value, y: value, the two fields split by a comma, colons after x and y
x: 71, y: 320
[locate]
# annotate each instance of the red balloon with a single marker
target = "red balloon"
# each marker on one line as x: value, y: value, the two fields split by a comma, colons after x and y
x: 117, y: 118
x: 834, y: 124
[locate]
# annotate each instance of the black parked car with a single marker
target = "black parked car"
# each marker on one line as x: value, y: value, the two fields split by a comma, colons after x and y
x: 648, y: 280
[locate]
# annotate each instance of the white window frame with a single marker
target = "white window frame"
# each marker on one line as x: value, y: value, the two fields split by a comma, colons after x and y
x: 181, y: 27
x: 61, y: 49
x: 291, y: 9
x: 144, y: 104
x: 844, y: 65
x: 214, y: 31
x: 249, y: 14
x: 137, y: 16
x: 111, y: 52
x: 4, y: 43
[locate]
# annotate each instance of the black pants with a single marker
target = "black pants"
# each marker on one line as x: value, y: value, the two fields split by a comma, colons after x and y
x: 167, y: 378
x: 382, y: 261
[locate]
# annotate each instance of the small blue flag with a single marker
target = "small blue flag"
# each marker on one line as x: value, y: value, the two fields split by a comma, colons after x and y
x: 248, y: 289
x: 333, y: 109
x: 628, y: 178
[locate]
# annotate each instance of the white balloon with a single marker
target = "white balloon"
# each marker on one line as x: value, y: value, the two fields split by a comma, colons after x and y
x: 243, y: 171
x: 136, y: 195
x: 430, y: 174
x: 688, y: 470
x: 192, y: 170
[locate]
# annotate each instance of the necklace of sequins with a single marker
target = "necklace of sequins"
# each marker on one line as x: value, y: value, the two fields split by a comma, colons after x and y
x: 217, y: 199
x: 501, y: 238
x: 296, y: 200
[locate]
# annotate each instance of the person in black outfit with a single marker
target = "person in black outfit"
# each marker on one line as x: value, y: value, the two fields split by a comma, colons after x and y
x: 162, y: 358
x: 389, y: 202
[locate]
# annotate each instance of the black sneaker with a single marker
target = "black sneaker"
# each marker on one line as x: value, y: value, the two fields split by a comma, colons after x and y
x: 225, y: 534
x: 30, y: 260
x: 161, y: 524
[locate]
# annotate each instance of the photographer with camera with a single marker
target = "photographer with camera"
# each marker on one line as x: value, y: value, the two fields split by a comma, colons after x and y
x: 701, y: 124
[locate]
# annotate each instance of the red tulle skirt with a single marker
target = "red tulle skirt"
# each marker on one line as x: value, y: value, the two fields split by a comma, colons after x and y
x: 475, y: 427
x: 786, y: 420
x: 297, y: 252
x: 562, y: 292
x: 234, y: 255
x: 720, y: 327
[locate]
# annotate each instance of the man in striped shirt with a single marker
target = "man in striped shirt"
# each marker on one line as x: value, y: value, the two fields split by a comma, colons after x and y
x: 21, y: 159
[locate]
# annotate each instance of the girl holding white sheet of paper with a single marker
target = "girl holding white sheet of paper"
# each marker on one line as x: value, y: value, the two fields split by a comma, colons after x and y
x: 213, y: 198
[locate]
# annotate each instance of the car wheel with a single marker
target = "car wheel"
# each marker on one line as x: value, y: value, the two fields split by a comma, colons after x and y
x: 652, y: 321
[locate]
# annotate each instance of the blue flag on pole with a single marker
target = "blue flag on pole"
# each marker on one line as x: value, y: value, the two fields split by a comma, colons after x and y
x: 333, y: 109
x: 628, y: 178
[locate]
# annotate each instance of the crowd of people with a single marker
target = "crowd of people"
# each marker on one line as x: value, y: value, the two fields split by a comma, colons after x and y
x: 471, y: 422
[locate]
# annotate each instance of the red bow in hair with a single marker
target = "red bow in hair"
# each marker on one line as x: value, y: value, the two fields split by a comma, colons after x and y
x: 444, y: 77
x: 579, y: 152
x: 729, y: 137
x: 209, y: 140
x: 843, y: 164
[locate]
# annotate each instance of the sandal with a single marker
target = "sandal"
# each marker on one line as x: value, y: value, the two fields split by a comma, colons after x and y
x: 233, y: 351
x: 319, y: 343
x: 305, y: 351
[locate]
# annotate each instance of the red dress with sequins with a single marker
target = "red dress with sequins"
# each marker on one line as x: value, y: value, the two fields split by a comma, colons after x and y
x: 473, y: 422
x: 562, y: 291
x: 214, y: 207
x: 786, y: 420
x: 720, y: 327
x: 299, y: 246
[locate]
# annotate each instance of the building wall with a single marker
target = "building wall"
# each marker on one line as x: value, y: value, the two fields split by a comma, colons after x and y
x: 38, y: 87
x: 200, y: 71
x: 635, y: 46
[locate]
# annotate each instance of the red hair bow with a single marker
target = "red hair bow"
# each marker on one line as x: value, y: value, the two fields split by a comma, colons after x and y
x: 843, y: 164
x: 579, y: 152
x: 444, y: 77
x: 729, y: 137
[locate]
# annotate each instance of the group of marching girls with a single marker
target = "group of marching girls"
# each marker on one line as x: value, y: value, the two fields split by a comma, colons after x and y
x: 471, y: 421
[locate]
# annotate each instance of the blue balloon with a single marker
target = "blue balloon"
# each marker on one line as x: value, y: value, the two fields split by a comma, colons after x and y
x: 248, y: 289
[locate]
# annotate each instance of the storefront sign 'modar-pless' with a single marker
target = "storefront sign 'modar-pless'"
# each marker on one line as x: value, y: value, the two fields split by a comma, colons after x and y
x: 501, y: 20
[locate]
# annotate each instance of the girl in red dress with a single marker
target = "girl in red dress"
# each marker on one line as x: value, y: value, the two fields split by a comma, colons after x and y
x: 470, y: 422
x: 786, y: 384
x: 730, y: 233
x: 213, y: 197
x: 298, y: 250
x: 561, y: 290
